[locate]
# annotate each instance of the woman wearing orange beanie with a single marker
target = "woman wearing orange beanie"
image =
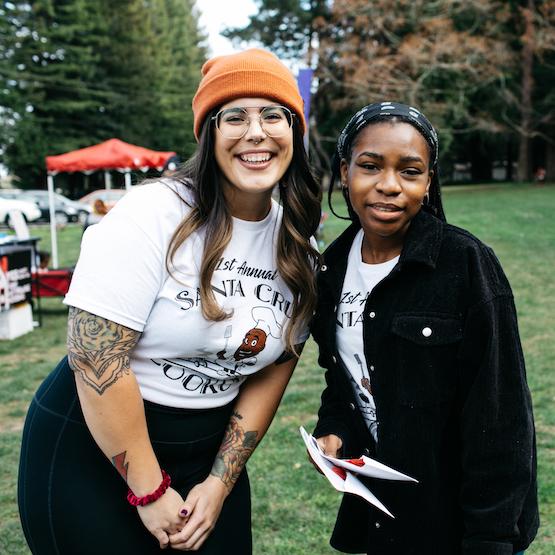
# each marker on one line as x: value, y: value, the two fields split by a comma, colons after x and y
x: 182, y: 335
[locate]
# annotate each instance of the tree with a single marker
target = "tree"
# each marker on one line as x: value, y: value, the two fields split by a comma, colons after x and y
x: 537, y: 100
x: 76, y: 72
x: 439, y: 56
x: 288, y: 28
x: 481, y: 69
x: 154, y: 65
x: 49, y: 58
x: 545, y: 83
x: 436, y: 55
x: 186, y: 54
x: 291, y: 30
x: 525, y: 107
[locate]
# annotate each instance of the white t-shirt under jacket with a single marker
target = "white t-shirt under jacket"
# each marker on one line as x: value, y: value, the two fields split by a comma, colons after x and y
x: 360, y: 279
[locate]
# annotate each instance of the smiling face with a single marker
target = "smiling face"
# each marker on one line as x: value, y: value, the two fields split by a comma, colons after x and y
x: 252, y: 165
x: 387, y: 177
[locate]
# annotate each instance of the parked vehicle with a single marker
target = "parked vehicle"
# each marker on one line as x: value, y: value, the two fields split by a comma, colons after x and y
x: 66, y: 210
x: 108, y: 196
x: 29, y: 209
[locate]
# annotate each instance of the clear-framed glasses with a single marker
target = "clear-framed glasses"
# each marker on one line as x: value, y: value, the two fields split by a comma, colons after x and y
x: 233, y: 123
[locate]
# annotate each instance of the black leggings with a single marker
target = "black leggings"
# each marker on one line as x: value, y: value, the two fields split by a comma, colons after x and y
x: 71, y: 498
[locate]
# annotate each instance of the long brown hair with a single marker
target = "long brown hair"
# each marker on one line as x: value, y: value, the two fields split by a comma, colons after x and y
x: 297, y: 260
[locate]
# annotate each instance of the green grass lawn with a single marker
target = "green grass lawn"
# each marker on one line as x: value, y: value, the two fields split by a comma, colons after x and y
x: 293, y: 507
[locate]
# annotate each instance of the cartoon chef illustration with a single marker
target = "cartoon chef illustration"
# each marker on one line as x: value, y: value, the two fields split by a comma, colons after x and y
x: 253, y: 343
x: 255, y: 339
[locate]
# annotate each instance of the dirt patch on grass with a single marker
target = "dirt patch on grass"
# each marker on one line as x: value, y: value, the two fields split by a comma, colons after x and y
x: 299, y: 419
x: 12, y: 424
x: 33, y: 357
x: 8, y: 422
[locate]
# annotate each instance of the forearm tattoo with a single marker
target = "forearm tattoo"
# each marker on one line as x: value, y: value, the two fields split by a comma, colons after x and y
x: 121, y: 464
x: 236, y: 448
x: 98, y: 349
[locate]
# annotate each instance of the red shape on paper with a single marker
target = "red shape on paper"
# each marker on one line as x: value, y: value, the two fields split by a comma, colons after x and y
x: 356, y: 462
x: 341, y: 472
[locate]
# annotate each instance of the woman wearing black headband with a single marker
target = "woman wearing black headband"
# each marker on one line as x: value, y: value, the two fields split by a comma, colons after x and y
x: 417, y: 329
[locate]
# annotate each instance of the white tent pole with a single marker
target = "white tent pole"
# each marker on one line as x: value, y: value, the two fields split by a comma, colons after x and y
x: 127, y: 180
x: 53, y: 237
x: 107, y: 180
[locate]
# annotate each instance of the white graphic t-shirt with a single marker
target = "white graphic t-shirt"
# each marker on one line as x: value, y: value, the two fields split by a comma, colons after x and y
x: 360, y: 279
x: 182, y: 359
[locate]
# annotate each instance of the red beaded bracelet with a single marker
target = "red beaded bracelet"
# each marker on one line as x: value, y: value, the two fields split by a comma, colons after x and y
x: 151, y: 497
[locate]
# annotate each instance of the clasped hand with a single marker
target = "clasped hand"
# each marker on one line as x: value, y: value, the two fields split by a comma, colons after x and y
x: 200, y: 513
x: 161, y: 518
x: 185, y: 525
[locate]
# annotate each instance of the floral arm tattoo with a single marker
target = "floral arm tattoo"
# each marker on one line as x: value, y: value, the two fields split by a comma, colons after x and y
x: 98, y: 349
x: 236, y: 448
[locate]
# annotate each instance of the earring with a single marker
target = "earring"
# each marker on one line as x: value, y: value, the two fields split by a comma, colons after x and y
x: 426, y: 199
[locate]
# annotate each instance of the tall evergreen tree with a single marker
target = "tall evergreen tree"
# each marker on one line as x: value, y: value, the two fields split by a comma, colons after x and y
x: 48, y: 66
x: 292, y: 30
x: 154, y: 66
x: 76, y: 72
x: 287, y: 27
x: 185, y: 53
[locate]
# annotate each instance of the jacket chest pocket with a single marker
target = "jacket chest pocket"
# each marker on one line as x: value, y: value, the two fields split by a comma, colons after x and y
x: 425, y: 350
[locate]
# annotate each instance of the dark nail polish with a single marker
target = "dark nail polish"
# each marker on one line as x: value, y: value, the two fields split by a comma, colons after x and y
x: 184, y: 512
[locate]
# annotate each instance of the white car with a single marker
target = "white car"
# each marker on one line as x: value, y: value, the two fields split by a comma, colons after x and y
x: 66, y: 210
x: 30, y: 210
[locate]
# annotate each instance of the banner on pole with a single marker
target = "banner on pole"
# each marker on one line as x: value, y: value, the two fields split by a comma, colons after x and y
x: 304, y: 80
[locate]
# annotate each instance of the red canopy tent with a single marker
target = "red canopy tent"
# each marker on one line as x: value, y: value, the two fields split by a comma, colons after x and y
x: 109, y: 155
x: 112, y: 154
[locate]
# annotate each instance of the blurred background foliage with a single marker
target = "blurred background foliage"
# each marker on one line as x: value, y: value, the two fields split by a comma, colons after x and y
x: 482, y: 70
x: 76, y: 72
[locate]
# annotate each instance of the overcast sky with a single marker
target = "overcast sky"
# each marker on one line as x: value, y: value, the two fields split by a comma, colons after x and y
x: 216, y: 15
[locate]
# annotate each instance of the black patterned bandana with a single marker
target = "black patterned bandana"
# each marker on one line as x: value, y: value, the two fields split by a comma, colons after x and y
x: 378, y: 112
x: 381, y: 110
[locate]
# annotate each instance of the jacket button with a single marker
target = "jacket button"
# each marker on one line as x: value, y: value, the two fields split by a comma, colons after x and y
x: 377, y: 524
x: 426, y: 332
x: 334, y: 359
x: 372, y: 314
x: 371, y: 368
x: 323, y: 268
x: 352, y: 406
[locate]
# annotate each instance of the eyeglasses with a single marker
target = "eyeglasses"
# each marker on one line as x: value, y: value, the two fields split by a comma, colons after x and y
x: 233, y: 123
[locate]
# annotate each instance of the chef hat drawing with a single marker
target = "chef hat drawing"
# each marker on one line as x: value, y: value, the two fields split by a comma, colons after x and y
x: 266, y: 321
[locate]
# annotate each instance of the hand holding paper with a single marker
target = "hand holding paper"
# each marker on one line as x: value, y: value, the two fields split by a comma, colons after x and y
x: 341, y: 472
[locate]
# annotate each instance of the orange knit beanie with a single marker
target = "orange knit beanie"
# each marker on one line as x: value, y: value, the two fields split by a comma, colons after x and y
x: 252, y: 73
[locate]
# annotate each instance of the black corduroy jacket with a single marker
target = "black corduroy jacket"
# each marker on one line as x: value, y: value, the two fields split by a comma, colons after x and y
x: 453, y: 407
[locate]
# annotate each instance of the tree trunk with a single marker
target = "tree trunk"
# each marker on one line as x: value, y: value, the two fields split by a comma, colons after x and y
x: 550, y: 161
x: 510, y: 160
x: 524, y: 166
x: 481, y: 161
